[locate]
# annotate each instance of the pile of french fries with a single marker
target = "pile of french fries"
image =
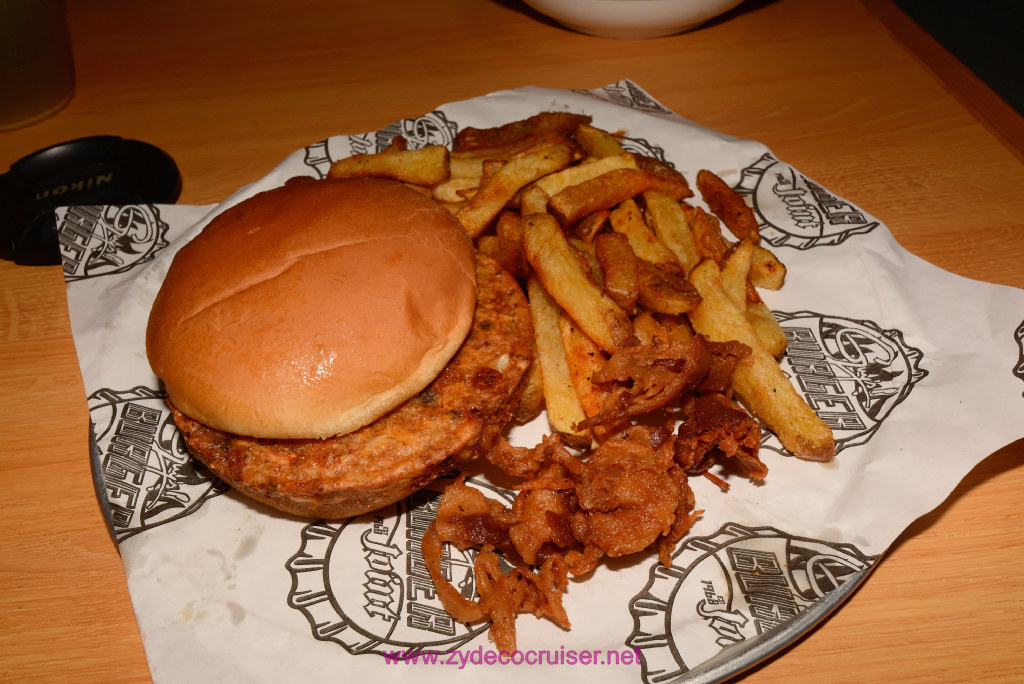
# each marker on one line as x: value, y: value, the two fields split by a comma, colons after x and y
x: 612, y: 255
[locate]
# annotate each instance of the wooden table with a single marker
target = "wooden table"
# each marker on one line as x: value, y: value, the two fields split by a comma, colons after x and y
x: 229, y: 88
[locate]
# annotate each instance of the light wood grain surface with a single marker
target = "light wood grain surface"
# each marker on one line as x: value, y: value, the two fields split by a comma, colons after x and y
x: 229, y: 88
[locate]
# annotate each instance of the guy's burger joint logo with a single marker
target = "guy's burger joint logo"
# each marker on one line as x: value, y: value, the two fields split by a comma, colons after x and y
x: 729, y: 588
x: 363, y: 584
x: 626, y: 93
x: 430, y: 129
x: 794, y: 211
x: 852, y: 373
x: 146, y: 473
x: 101, y: 240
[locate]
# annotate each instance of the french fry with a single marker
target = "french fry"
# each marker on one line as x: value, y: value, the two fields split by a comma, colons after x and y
x: 758, y: 379
x: 629, y: 221
x: 669, y: 222
x: 426, y: 166
x: 648, y: 330
x: 533, y: 200
x: 496, y: 191
x: 666, y: 178
x: 560, y: 398
x: 557, y: 265
x: 767, y: 328
x: 505, y: 141
x: 724, y: 203
x: 603, y: 192
x: 465, y: 165
x: 735, y: 269
x: 587, y: 255
x: 531, y: 400
x: 455, y: 189
x: 707, y: 235
x: 584, y: 358
x: 554, y: 183
x: 597, y: 142
x: 676, y: 327
x: 589, y: 226
x: 665, y: 289
x: 652, y: 329
x: 509, y: 226
x: 619, y: 267
x: 508, y: 253
x: 766, y: 270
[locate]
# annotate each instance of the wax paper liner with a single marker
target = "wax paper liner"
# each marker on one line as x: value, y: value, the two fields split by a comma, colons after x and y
x: 226, y: 590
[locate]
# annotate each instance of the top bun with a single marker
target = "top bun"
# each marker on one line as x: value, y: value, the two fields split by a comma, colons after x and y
x: 313, y: 309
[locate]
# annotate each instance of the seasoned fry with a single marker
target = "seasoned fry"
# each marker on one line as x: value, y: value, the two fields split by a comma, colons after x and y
x: 455, y: 189
x: 767, y: 328
x: 531, y: 394
x: 554, y: 183
x: 497, y: 190
x: 589, y: 226
x: 561, y: 401
x: 629, y: 221
x: 584, y: 358
x: 654, y: 329
x: 606, y: 191
x: 723, y: 201
x: 558, y: 267
x: 669, y: 222
x: 603, y: 192
x: 707, y: 235
x: 735, y: 269
x: 619, y: 267
x: 426, y: 166
x: 597, y: 142
x: 465, y: 165
x: 676, y: 327
x: 509, y: 226
x: 766, y: 270
x: 667, y: 179
x: 508, y: 253
x: 665, y: 289
x: 516, y: 136
x: 588, y: 260
x: 758, y: 379
x: 533, y: 200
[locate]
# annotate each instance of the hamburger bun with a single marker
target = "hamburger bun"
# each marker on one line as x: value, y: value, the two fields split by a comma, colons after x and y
x: 313, y: 309
x: 452, y: 421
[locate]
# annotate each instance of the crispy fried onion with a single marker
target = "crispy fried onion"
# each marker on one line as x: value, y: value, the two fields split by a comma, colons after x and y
x: 653, y: 376
x: 628, y: 496
x: 717, y: 427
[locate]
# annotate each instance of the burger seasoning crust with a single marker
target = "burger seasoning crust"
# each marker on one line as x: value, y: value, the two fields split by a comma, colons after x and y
x: 453, y: 420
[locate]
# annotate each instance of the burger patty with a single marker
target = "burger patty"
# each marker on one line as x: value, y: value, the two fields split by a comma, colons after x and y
x: 401, y: 452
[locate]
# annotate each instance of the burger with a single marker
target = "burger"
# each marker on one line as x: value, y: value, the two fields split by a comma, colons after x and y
x: 329, y: 347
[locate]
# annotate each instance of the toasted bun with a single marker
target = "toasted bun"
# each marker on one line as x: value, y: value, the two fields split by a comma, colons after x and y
x: 312, y: 309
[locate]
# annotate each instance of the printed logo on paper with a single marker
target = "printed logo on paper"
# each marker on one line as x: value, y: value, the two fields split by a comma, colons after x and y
x: 102, y: 240
x: 147, y: 474
x: 728, y: 589
x: 430, y: 129
x: 644, y: 147
x: 628, y: 94
x: 1018, y: 370
x: 363, y: 584
x: 852, y: 373
x: 796, y: 212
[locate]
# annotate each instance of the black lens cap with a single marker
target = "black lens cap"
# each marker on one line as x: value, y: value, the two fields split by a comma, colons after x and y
x: 102, y: 169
